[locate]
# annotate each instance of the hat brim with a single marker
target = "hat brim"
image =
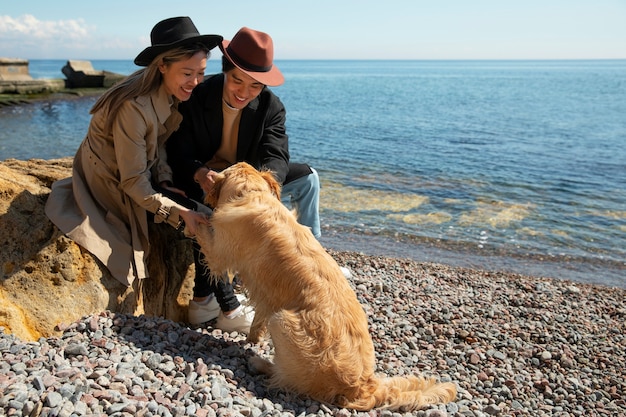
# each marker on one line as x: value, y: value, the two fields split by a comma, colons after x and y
x: 147, y: 55
x: 272, y: 78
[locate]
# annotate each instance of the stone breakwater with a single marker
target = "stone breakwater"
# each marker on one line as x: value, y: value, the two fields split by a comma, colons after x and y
x: 514, y: 345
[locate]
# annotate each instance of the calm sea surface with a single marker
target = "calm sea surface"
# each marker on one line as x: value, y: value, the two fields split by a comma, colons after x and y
x: 503, y: 165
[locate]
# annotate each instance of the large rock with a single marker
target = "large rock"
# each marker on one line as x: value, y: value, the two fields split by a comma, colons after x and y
x: 48, y: 281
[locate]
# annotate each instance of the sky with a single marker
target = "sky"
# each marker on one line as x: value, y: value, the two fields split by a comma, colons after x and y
x: 327, y: 29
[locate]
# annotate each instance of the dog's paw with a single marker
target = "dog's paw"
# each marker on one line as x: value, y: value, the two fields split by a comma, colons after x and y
x: 254, y: 337
x: 259, y: 365
x: 257, y: 331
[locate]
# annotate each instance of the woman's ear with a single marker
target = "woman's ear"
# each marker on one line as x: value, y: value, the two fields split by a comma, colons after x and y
x: 162, y: 66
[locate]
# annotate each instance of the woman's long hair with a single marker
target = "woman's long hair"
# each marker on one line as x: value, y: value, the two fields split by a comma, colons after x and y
x: 141, y: 82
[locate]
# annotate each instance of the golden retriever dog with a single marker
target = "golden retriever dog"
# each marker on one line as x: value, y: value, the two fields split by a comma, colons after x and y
x: 319, y: 330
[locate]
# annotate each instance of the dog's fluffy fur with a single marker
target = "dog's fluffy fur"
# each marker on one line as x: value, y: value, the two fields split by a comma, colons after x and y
x: 320, y: 331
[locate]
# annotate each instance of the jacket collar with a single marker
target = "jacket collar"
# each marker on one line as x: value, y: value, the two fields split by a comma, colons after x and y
x: 163, y: 103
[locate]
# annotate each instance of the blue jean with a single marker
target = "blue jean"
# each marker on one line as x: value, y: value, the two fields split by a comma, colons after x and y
x: 303, y: 195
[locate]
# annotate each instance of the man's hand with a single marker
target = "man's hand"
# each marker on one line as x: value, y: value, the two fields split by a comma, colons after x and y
x: 166, y: 185
x: 204, y: 177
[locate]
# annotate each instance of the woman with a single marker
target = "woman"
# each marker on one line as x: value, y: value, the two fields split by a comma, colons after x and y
x: 104, y: 206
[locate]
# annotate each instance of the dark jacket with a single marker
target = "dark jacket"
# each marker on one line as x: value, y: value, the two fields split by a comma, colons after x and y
x: 262, y: 140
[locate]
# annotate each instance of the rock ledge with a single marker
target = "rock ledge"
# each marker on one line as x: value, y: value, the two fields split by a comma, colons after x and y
x: 48, y: 280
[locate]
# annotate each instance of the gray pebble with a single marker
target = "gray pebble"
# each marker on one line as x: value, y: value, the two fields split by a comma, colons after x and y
x: 53, y: 399
x: 513, y: 345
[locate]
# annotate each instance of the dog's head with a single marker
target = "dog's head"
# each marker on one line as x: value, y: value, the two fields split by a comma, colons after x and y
x: 239, y: 180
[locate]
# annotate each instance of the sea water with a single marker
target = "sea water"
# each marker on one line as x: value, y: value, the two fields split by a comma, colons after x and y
x: 503, y: 165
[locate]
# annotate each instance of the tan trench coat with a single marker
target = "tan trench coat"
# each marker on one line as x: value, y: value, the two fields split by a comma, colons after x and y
x: 103, y: 206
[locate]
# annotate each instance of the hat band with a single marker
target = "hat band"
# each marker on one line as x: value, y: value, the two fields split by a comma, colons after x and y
x: 245, y: 64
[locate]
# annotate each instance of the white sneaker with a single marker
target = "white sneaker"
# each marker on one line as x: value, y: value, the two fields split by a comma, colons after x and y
x: 240, y: 323
x: 201, y: 313
x: 346, y: 272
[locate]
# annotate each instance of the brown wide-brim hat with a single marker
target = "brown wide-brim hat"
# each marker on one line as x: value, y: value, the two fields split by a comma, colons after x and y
x: 253, y: 53
x: 173, y: 33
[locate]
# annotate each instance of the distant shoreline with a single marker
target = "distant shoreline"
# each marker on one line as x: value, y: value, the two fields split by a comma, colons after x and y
x: 278, y: 60
x: 11, y: 99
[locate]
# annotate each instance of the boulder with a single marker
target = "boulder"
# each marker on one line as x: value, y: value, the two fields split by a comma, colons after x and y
x: 80, y: 74
x: 48, y: 281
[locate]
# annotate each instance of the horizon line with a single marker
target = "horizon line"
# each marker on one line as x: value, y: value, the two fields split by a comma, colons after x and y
x: 356, y: 59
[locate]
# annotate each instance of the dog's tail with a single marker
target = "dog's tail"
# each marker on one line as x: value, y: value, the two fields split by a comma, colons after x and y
x: 404, y: 393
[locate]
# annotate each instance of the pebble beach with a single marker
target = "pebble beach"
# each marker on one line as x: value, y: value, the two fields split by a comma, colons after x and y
x: 515, y: 345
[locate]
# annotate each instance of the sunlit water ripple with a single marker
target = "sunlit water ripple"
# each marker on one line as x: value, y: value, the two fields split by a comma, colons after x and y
x: 515, y: 165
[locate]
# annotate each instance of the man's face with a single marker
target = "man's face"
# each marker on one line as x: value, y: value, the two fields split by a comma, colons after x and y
x: 240, y: 89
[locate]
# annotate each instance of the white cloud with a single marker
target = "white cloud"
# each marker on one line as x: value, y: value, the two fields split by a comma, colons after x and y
x: 28, y: 37
x: 28, y: 27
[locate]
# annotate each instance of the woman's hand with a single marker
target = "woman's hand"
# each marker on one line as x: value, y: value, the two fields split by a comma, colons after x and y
x: 193, y: 220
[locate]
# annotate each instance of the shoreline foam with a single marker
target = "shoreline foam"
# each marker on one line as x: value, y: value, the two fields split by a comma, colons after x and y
x: 596, y: 271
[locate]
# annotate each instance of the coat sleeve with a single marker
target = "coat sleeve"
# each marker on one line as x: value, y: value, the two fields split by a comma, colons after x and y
x: 273, y: 150
x: 135, y: 138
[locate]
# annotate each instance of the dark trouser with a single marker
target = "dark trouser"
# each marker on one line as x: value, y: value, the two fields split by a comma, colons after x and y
x: 204, y: 283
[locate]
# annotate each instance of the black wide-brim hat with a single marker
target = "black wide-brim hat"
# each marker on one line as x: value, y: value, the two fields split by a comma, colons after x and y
x: 173, y: 33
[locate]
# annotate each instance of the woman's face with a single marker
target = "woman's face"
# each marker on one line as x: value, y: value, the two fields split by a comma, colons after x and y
x: 240, y: 88
x: 181, y: 77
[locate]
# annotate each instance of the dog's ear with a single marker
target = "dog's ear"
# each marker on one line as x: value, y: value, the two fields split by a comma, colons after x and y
x: 210, y: 198
x: 271, y: 181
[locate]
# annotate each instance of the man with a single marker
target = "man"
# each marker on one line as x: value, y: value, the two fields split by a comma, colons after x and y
x: 233, y: 117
